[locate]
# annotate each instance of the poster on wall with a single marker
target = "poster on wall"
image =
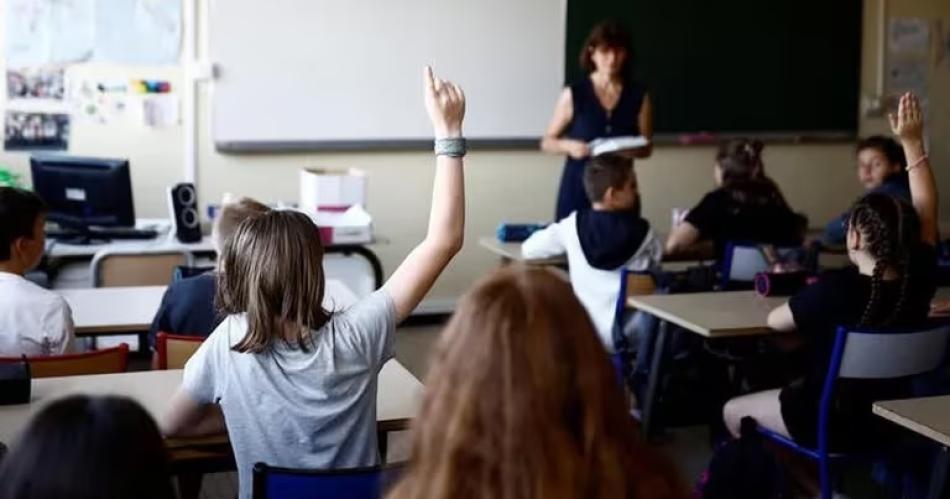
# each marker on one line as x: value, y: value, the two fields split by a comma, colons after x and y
x: 909, y: 35
x: 26, y: 131
x: 35, y: 84
x: 138, y: 31
x: 40, y: 32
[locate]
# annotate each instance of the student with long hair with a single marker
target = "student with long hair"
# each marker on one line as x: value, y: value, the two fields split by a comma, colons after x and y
x: 522, y: 403
x: 297, y: 383
x: 892, y: 245
x: 85, y: 447
x: 746, y: 206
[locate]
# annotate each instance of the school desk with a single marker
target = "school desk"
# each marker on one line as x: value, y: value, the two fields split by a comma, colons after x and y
x: 508, y: 253
x: 397, y: 400
x: 712, y: 315
x: 929, y: 417
x: 104, y: 311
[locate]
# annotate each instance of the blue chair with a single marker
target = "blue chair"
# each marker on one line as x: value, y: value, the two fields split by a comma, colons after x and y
x: 185, y: 271
x: 867, y: 355
x: 632, y: 283
x: 742, y: 261
x: 271, y: 482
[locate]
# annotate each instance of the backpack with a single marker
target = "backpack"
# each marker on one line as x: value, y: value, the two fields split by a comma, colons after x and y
x: 742, y: 469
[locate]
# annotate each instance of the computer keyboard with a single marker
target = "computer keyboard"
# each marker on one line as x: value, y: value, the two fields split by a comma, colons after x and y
x: 105, y: 234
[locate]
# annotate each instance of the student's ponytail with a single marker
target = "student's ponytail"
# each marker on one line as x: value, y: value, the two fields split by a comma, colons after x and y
x: 743, y: 174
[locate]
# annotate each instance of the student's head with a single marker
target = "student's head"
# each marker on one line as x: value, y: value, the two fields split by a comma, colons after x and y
x: 272, y: 270
x: 879, y: 157
x: 883, y: 229
x: 607, y: 49
x: 522, y: 401
x: 231, y: 215
x: 738, y: 161
x: 85, y: 447
x: 611, y: 183
x: 22, y: 237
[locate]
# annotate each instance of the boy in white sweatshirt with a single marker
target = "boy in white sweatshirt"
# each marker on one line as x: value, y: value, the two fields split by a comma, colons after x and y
x: 603, y: 241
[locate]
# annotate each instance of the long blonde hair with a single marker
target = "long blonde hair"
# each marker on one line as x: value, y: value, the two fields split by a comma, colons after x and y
x: 522, y: 403
x: 272, y: 270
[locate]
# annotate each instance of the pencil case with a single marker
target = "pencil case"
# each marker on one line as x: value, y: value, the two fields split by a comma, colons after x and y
x: 15, y: 383
x: 516, y: 233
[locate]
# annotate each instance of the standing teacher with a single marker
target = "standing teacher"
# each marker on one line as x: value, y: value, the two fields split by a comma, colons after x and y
x: 604, y: 103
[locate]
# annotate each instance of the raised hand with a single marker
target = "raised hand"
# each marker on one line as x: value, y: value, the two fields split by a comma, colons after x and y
x: 445, y: 103
x: 908, y: 124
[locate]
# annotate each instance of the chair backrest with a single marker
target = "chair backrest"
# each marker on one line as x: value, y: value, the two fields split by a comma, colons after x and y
x: 138, y: 268
x: 174, y: 350
x: 107, y: 361
x: 358, y: 483
x: 883, y: 354
x: 632, y: 283
x: 185, y: 272
x: 891, y: 354
x: 741, y: 262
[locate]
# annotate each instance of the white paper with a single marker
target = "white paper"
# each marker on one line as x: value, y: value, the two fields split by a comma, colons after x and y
x: 138, y: 31
x: 614, y: 144
x: 98, y: 101
x: 40, y: 32
x: 909, y: 35
x: 160, y: 110
x: 907, y: 76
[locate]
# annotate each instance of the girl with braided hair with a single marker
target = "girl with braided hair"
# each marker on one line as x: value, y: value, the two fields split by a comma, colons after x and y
x: 891, y: 243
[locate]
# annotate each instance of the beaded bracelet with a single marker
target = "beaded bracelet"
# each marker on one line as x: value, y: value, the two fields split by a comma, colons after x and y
x: 917, y: 163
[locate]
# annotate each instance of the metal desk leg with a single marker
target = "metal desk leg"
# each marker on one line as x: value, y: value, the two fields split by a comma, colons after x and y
x: 938, y: 478
x: 654, y: 379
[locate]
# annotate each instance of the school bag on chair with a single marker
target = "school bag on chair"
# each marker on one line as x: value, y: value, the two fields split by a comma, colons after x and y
x: 742, y: 469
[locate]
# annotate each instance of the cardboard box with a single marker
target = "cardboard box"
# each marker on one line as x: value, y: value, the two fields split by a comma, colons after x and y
x: 331, y: 190
x: 353, y: 226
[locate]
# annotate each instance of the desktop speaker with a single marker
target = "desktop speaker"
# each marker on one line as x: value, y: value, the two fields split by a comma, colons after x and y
x: 183, y: 211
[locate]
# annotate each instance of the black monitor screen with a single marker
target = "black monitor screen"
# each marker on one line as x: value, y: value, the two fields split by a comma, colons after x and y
x: 84, y: 192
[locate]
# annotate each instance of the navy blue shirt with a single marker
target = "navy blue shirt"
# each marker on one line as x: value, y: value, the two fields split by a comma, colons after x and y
x: 590, y: 121
x: 836, y: 232
x: 187, y: 308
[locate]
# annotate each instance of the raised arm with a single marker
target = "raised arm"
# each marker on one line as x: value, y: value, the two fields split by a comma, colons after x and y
x: 908, y: 125
x: 445, y: 103
x: 552, y: 141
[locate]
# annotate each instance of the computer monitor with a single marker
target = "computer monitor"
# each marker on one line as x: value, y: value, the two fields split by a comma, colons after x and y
x: 84, y: 192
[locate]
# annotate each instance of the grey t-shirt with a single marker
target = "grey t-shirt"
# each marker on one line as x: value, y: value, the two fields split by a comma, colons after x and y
x: 289, y: 408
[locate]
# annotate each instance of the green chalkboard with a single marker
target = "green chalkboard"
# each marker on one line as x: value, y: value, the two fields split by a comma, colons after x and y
x: 738, y: 66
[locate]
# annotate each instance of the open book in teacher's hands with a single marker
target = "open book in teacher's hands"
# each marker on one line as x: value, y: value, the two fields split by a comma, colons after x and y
x: 615, y: 144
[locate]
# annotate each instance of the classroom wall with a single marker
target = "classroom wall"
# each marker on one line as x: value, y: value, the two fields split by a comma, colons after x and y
x: 818, y: 179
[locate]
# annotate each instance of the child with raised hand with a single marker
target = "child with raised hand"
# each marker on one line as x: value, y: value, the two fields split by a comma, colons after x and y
x: 297, y: 383
x: 892, y: 245
x: 881, y: 164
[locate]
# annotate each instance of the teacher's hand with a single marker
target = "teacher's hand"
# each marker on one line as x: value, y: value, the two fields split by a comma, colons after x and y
x: 445, y: 103
x: 577, y: 149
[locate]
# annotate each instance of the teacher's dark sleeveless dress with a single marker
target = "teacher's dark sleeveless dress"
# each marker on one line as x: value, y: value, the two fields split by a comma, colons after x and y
x: 592, y: 121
